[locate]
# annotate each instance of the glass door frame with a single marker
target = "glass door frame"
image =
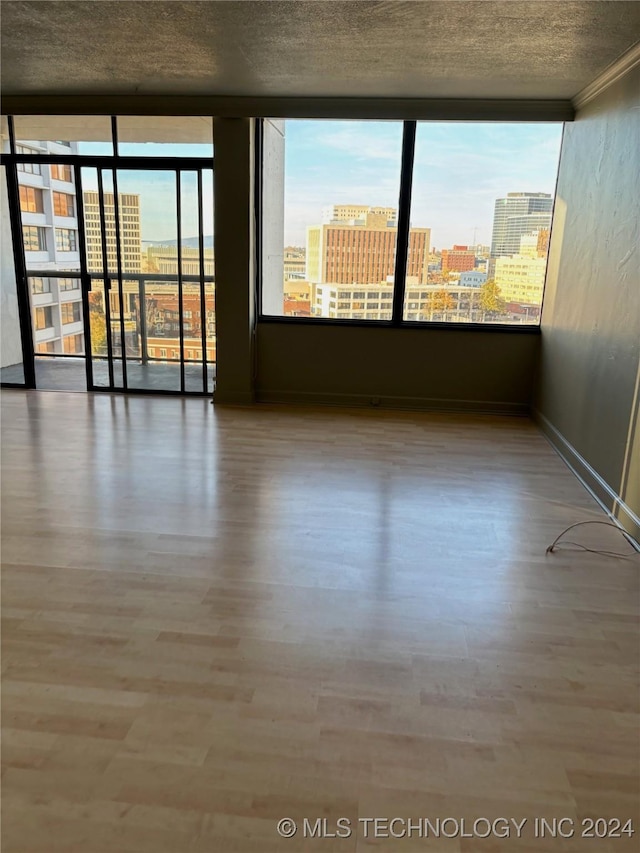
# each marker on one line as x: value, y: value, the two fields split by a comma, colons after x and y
x: 105, y: 163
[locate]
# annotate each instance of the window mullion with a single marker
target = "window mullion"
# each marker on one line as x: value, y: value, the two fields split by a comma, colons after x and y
x: 404, y: 211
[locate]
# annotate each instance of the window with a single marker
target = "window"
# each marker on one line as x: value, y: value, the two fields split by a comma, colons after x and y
x: 46, y: 346
x: 340, y: 210
x: 63, y: 204
x: 480, y: 217
x: 62, y: 173
x: 71, y: 312
x: 487, y: 231
x: 44, y: 319
x: 65, y: 240
x: 160, y: 210
x: 28, y: 168
x: 35, y: 238
x: 31, y: 200
x: 40, y: 285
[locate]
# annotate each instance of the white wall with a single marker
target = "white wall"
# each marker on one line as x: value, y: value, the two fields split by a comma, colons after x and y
x: 10, y: 348
x: 273, y: 143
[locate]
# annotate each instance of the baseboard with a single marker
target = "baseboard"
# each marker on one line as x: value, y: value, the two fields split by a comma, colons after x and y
x: 234, y: 398
x: 408, y: 403
x: 608, y: 498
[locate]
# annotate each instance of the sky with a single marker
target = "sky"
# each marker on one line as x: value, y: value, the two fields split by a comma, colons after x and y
x: 460, y: 169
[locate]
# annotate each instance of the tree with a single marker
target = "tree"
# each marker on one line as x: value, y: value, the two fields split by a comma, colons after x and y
x: 440, y: 302
x: 491, y: 301
x: 97, y: 323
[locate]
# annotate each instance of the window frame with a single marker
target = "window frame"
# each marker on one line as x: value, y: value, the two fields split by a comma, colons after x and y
x: 402, y: 240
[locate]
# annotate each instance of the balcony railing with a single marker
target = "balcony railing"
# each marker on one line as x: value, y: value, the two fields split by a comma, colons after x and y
x: 157, y: 312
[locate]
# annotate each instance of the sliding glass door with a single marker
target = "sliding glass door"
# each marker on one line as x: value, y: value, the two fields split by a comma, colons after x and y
x: 115, y: 249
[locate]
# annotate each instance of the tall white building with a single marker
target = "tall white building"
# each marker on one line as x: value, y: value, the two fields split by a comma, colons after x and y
x: 129, y: 220
x: 516, y: 215
x: 50, y: 236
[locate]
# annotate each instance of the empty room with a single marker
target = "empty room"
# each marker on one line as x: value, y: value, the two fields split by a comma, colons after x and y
x: 320, y: 363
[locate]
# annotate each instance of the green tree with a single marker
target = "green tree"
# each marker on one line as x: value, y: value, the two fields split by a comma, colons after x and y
x: 491, y: 301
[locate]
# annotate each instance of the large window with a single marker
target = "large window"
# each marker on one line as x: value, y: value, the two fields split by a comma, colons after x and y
x: 486, y: 192
x: 35, y: 238
x: 330, y: 213
x: 30, y: 200
x: 471, y: 248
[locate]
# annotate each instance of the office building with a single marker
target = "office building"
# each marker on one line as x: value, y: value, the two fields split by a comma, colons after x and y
x: 517, y: 214
x: 458, y: 259
x: 129, y: 219
x: 363, y: 251
x: 455, y: 304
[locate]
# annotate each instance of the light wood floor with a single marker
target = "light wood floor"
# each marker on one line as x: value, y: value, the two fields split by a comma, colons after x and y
x: 214, y: 619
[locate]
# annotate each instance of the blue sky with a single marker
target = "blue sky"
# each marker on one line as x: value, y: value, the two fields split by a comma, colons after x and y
x: 460, y: 169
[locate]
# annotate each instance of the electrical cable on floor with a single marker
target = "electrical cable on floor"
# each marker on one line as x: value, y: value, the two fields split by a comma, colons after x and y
x: 633, y: 542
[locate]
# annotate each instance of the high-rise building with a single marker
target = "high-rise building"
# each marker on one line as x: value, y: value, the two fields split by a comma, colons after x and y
x: 458, y: 259
x: 363, y: 251
x: 515, y: 215
x: 130, y: 241
x: 50, y: 238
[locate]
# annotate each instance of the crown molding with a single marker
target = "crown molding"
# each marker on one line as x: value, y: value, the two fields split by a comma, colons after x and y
x: 609, y: 76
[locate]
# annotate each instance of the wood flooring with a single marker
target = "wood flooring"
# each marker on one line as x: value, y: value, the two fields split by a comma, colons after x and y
x: 216, y: 618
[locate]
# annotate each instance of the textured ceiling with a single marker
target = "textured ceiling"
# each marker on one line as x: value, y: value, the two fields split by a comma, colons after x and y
x: 450, y: 49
